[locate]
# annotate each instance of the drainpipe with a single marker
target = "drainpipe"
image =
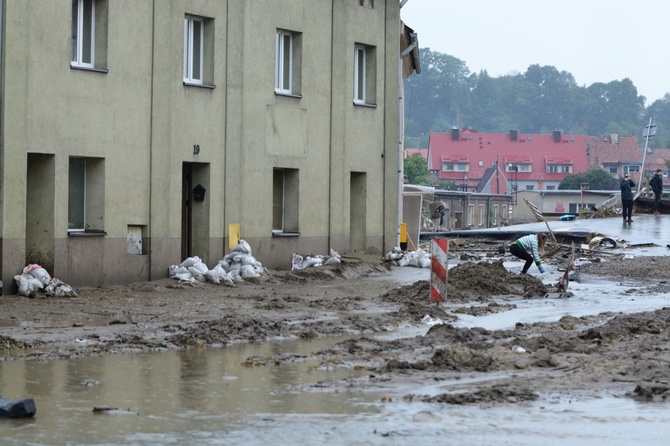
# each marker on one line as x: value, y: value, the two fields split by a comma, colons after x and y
x: 401, y: 121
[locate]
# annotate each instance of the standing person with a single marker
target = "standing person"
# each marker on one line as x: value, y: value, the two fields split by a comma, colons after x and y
x: 437, y: 214
x: 656, y: 184
x: 534, y: 243
x: 627, y: 186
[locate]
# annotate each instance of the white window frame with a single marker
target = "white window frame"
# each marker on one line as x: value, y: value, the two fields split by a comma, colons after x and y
x: 481, y: 215
x: 79, y: 39
x: 192, y: 49
x: 284, y: 57
x: 495, y: 214
x: 360, y: 74
x: 471, y: 211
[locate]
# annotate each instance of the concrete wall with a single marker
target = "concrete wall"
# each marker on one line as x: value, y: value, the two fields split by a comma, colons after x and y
x: 139, y: 124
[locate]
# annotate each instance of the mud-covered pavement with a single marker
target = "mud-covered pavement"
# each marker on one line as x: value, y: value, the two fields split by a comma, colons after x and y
x: 615, y: 353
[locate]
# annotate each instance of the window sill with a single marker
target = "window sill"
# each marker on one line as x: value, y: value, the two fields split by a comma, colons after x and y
x: 288, y: 95
x: 93, y: 69
x: 208, y: 86
x: 362, y: 104
x: 86, y: 233
x: 285, y: 234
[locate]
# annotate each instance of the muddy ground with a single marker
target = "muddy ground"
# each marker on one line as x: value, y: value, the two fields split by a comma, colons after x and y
x: 627, y: 355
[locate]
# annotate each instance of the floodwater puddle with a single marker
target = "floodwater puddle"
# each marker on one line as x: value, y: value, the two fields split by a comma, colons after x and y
x: 207, y: 396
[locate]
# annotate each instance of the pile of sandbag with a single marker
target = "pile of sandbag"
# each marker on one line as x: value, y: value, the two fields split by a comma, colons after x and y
x: 299, y: 262
x: 237, y: 266
x: 418, y: 258
x: 35, y: 281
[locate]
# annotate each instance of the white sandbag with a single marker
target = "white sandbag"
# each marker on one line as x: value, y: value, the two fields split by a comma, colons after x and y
x: 247, y: 272
x: 332, y: 261
x: 176, y: 269
x: 403, y: 261
x: 312, y: 261
x: 412, y: 259
x: 296, y: 262
x: 235, y: 268
x: 235, y: 276
x: 190, y: 261
x: 233, y: 257
x: 242, y: 247
x: 57, y: 288
x: 183, y: 276
x: 27, y: 284
x: 42, y: 275
x: 197, y: 275
x: 224, y: 264
x: 425, y: 262
x: 247, y: 260
x: 217, y: 275
x: 200, y: 267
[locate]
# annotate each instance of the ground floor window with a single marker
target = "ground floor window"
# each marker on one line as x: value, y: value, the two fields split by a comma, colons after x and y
x: 86, y: 194
x: 285, y: 200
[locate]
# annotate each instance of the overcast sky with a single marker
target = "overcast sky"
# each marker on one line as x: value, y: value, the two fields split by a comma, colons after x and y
x: 594, y: 40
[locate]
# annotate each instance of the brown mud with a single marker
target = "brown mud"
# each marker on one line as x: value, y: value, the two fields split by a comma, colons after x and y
x: 618, y: 354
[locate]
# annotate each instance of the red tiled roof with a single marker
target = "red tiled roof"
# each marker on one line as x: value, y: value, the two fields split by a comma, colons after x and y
x: 422, y: 152
x: 455, y: 158
x: 486, y: 150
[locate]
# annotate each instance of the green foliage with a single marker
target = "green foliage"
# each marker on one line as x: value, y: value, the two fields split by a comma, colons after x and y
x: 447, y: 95
x: 416, y: 169
x: 597, y: 179
x: 447, y: 185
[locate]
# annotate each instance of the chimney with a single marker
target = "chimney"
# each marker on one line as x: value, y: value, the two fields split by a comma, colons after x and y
x: 557, y: 136
x: 614, y: 138
x: 512, y: 135
x: 455, y: 134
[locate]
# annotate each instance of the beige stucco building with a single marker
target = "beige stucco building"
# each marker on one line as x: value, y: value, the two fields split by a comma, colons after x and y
x: 136, y: 133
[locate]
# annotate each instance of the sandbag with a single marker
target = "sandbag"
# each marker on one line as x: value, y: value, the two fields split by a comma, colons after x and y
x: 28, y: 285
x: 38, y: 273
x: 242, y: 247
x: 58, y: 288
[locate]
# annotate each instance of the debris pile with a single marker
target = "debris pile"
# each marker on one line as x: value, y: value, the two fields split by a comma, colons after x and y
x: 237, y: 266
x: 35, y: 281
x: 418, y: 258
x: 299, y: 262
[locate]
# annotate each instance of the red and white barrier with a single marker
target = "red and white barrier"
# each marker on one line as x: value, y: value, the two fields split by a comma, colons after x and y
x: 439, y: 250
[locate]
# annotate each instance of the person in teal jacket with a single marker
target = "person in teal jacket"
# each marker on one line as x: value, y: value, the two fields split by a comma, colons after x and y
x: 533, y: 243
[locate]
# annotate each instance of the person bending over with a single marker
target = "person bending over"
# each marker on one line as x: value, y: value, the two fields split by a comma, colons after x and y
x: 533, y: 243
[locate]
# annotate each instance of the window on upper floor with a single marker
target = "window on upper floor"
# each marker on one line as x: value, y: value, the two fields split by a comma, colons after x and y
x: 518, y: 167
x: 631, y: 169
x: 198, y: 51
x: 288, y: 56
x: 86, y: 194
x: 456, y: 167
x: 559, y: 168
x: 89, y: 34
x: 365, y: 75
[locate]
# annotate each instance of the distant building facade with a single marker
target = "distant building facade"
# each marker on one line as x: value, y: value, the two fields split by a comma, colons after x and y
x: 501, y: 163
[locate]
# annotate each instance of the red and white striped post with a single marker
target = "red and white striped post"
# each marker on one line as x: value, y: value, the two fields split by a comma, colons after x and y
x: 439, y: 250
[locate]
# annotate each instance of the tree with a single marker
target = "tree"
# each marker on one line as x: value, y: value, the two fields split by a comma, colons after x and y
x: 596, y: 178
x: 416, y: 169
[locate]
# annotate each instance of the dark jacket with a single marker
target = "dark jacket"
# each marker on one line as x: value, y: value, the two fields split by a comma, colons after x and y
x: 626, y: 189
x: 656, y: 184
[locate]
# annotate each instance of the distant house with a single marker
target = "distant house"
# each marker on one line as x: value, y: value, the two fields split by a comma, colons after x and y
x: 501, y: 163
x: 619, y: 155
x: 422, y: 152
